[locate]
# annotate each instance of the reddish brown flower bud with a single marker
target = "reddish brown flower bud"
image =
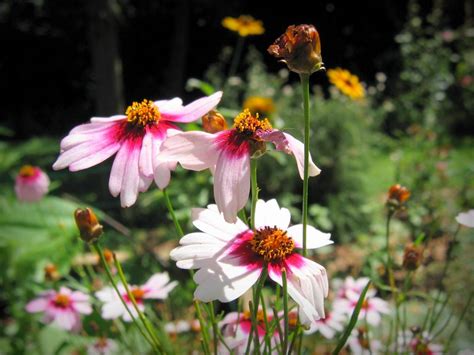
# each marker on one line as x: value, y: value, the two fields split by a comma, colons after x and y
x: 51, y: 273
x: 397, y: 196
x: 214, y: 122
x: 89, y: 227
x: 412, y: 257
x: 299, y: 47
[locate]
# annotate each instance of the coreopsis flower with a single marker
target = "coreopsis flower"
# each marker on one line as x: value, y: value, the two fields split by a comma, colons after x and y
x: 299, y: 48
x: 89, y: 227
x: 31, y: 184
x: 412, y: 257
x: 360, y: 344
x: 157, y: 287
x: 244, y: 25
x: 347, y: 83
x: 228, y: 153
x: 213, y: 122
x: 466, y: 218
x: 136, y: 137
x: 231, y: 257
x: 264, y: 106
x: 236, y: 331
x: 103, y: 346
x: 329, y: 326
x: 352, y: 285
x: 62, y: 308
x: 372, y: 307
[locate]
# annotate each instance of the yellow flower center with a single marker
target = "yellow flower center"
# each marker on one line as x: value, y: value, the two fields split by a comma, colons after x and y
x: 260, y: 316
x: 245, y: 122
x: 27, y: 171
x: 272, y: 244
x: 62, y: 300
x: 143, y: 113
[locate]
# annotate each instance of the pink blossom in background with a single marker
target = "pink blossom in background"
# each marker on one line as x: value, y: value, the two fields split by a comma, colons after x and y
x: 231, y: 257
x: 103, y: 346
x: 62, y: 308
x: 31, y: 184
x: 333, y: 323
x: 227, y: 154
x: 136, y: 137
x: 361, y: 344
x: 157, y: 287
x: 466, y: 218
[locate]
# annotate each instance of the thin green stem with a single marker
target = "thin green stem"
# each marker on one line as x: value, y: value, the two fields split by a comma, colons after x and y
x: 267, y: 325
x: 99, y: 251
x: 305, y: 87
x: 464, y: 311
x: 256, y: 300
x: 149, y: 328
x: 254, y: 188
x: 236, y: 56
x: 286, y: 320
x: 172, y: 213
x: 215, y: 331
x: 202, y: 323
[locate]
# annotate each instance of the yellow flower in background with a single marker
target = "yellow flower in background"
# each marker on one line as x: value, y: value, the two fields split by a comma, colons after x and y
x: 347, y: 83
x: 258, y: 104
x: 245, y: 25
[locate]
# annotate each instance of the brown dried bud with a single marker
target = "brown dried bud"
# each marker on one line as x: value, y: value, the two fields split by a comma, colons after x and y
x: 51, y: 272
x: 89, y: 227
x: 412, y: 257
x: 299, y: 47
x: 397, y: 196
x: 214, y: 122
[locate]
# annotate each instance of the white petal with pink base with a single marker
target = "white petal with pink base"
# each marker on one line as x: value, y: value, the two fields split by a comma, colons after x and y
x: 231, y: 257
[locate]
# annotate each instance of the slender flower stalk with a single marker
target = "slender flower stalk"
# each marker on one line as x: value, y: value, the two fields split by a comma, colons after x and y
x: 254, y: 190
x: 169, y: 205
x: 305, y: 87
x: 285, y: 311
x: 236, y: 56
x: 205, y: 336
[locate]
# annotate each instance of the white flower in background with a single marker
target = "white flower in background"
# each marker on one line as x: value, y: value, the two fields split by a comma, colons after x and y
x: 231, y: 257
x: 466, y: 218
x: 360, y: 344
x: 329, y: 326
x: 180, y: 326
x: 157, y: 287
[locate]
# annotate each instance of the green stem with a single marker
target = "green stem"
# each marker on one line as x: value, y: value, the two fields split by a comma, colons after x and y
x: 267, y: 325
x: 146, y: 323
x: 305, y: 87
x: 205, y: 337
x: 99, y: 251
x: 286, y: 320
x: 215, y: 331
x: 172, y: 213
x: 256, y: 300
x: 464, y: 311
x: 254, y: 188
x: 236, y: 56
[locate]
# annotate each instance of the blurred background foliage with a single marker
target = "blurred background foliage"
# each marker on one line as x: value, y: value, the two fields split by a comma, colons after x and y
x: 414, y: 127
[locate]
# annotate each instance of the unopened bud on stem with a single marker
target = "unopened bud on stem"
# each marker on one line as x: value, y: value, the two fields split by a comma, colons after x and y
x: 89, y: 227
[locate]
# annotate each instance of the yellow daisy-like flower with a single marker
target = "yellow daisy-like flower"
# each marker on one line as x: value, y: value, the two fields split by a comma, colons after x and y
x: 245, y: 25
x: 258, y: 104
x: 347, y: 83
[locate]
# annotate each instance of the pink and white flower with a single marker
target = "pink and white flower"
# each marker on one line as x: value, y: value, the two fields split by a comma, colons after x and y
x: 31, y: 184
x: 231, y: 257
x: 157, y: 287
x: 466, y: 218
x: 228, y: 153
x: 103, y: 346
x: 236, y: 330
x: 328, y: 326
x: 417, y: 343
x: 360, y: 344
x: 372, y: 307
x: 352, y: 285
x: 61, y: 308
x: 136, y: 137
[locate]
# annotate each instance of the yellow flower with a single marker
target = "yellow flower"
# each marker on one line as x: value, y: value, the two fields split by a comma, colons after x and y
x: 257, y: 104
x: 245, y: 25
x: 347, y: 83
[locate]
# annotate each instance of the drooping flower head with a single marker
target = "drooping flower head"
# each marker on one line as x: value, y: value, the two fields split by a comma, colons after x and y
x: 347, y: 83
x: 412, y: 256
x: 244, y: 25
x: 89, y: 227
x: 136, y: 137
x: 299, y: 48
x: 236, y: 328
x: 228, y: 153
x: 62, y: 308
x: 157, y: 287
x: 31, y: 184
x: 231, y: 257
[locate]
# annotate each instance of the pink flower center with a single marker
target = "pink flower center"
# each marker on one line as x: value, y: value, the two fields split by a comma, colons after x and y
x: 62, y: 300
x: 143, y: 114
x: 272, y: 244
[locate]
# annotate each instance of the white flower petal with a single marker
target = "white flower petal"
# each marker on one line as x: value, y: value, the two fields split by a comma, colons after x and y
x: 314, y: 238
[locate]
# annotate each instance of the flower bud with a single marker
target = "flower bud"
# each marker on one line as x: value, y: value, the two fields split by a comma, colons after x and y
x: 89, y: 227
x: 397, y: 196
x: 412, y: 257
x: 299, y: 47
x: 214, y: 122
x: 51, y: 272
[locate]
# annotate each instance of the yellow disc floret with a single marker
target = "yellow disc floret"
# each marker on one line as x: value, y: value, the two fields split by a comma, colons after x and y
x: 27, y: 171
x: 62, y: 300
x: 272, y: 244
x: 143, y: 113
x: 245, y: 122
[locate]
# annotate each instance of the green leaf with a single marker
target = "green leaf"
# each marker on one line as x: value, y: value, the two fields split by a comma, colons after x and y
x: 194, y: 83
x: 355, y: 316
